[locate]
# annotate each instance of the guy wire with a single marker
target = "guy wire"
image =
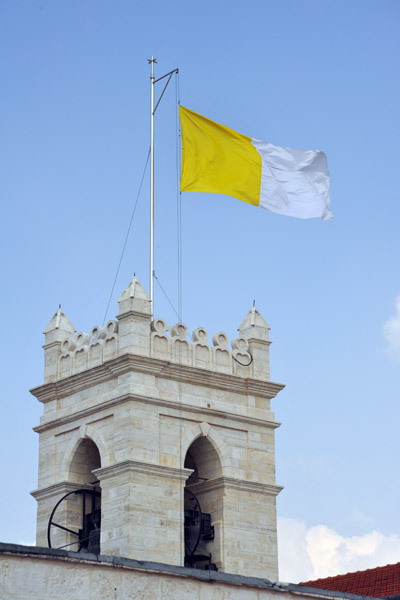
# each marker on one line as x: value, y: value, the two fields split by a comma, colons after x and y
x: 126, y: 237
x: 169, y: 301
x: 179, y: 265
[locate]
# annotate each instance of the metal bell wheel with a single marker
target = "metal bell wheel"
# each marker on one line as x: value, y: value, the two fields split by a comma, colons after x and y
x: 197, y: 531
x: 88, y: 536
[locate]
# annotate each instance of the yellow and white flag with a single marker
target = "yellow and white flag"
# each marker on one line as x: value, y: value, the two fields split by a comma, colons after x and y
x: 217, y: 159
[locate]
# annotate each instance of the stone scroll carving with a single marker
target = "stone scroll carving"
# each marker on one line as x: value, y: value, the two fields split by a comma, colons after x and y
x: 111, y: 340
x: 87, y: 350
x: 95, y: 355
x: 159, y: 346
x: 242, y: 358
x: 173, y: 343
x: 201, y: 351
x: 222, y: 356
x: 177, y: 348
x: 65, y: 365
x: 180, y: 347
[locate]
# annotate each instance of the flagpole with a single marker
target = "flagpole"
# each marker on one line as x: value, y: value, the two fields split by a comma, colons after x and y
x: 152, y: 61
x: 153, y: 109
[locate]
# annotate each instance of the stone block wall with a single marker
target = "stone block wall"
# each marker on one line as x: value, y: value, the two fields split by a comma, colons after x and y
x: 32, y: 573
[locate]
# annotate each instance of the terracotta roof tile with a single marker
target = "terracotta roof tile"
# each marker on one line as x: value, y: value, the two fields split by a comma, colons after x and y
x: 378, y: 582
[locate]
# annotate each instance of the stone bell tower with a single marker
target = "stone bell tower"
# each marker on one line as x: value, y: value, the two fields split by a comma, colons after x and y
x: 150, y: 430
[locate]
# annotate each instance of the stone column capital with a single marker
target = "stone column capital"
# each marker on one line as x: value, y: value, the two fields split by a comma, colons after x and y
x: 132, y: 466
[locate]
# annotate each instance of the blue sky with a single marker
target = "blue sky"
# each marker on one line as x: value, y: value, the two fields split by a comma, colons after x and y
x: 74, y: 125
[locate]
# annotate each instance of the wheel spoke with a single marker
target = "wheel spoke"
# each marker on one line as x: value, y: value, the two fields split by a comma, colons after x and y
x: 70, y: 544
x: 65, y: 529
x: 79, y: 492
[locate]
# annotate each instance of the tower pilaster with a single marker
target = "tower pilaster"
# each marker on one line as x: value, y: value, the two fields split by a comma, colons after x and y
x: 59, y: 329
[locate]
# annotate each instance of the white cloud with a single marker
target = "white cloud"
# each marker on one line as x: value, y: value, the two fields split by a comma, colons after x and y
x: 314, y: 552
x: 391, y: 331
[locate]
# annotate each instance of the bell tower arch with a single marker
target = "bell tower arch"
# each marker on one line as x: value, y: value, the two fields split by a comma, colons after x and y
x: 84, y: 461
x: 203, y: 460
x: 154, y: 423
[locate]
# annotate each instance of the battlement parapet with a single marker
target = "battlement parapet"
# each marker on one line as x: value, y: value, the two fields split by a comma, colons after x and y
x: 68, y: 353
x: 86, y: 350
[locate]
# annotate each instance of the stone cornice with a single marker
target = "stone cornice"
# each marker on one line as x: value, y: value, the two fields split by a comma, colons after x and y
x: 236, y: 484
x: 202, y: 411
x: 139, y: 316
x: 51, y: 344
x: 133, y: 466
x: 63, y: 487
x: 258, y: 341
x: 159, y: 368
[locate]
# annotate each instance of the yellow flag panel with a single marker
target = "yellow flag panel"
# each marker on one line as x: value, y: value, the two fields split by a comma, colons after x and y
x: 217, y: 159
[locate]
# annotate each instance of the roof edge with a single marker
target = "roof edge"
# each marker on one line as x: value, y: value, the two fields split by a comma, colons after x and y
x: 130, y: 563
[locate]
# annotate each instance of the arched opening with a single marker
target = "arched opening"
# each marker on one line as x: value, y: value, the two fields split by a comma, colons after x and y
x: 202, y: 506
x: 85, y: 460
x: 75, y: 521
